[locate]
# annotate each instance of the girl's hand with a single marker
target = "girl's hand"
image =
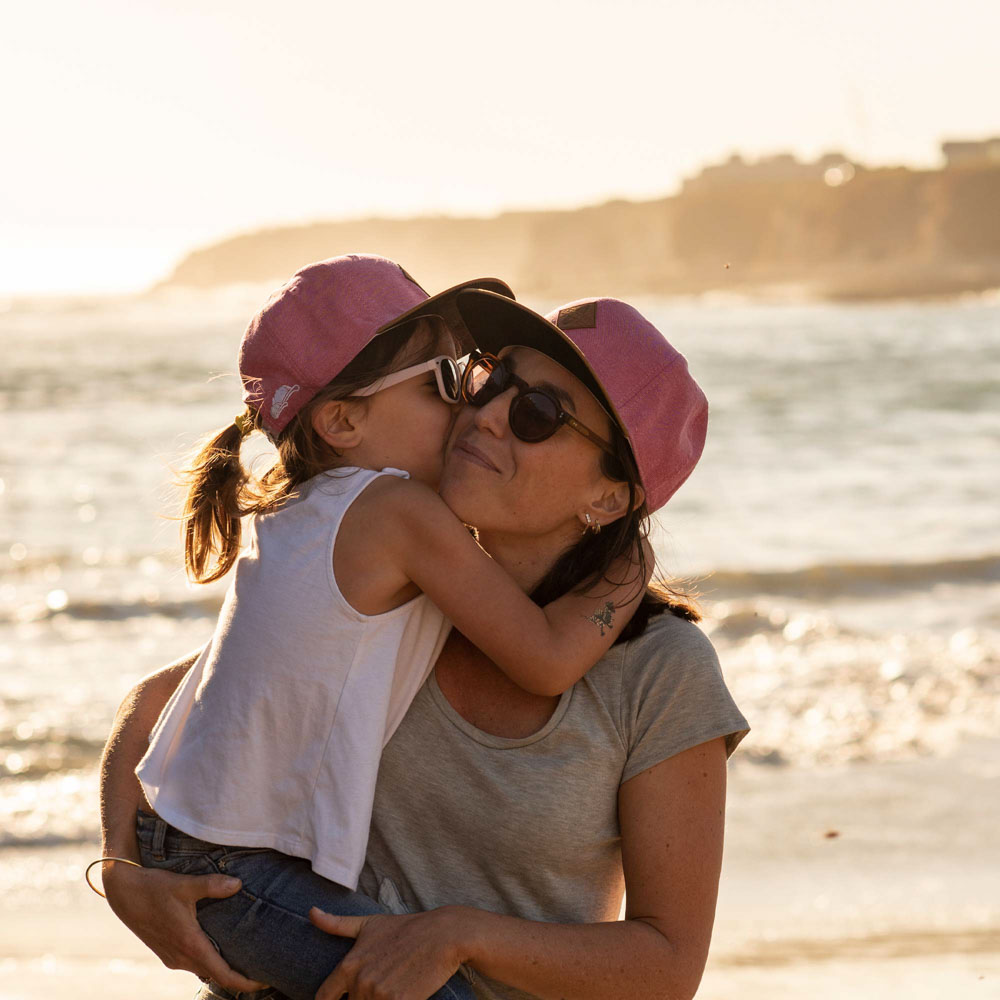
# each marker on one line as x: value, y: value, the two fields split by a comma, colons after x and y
x: 395, y: 957
x: 159, y: 908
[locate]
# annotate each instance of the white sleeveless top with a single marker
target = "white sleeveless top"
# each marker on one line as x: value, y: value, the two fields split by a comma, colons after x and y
x: 274, y: 736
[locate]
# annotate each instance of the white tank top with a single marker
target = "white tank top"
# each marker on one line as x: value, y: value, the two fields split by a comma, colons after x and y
x: 274, y: 736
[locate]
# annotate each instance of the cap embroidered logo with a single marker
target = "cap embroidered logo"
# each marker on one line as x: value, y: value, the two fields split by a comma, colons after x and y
x: 281, y: 397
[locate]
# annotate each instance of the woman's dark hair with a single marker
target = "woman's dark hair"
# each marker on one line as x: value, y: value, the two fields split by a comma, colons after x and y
x: 591, y: 558
x: 221, y: 490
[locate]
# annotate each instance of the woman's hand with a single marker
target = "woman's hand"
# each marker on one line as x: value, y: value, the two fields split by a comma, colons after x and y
x: 395, y: 957
x: 159, y: 908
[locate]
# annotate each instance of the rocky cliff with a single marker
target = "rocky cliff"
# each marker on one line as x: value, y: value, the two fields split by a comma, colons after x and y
x: 883, y: 233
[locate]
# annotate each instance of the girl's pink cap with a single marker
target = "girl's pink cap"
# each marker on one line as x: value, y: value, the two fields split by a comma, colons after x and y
x: 630, y: 367
x: 316, y: 323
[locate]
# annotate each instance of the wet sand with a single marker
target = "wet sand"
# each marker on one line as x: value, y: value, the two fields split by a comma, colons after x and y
x: 858, y: 883
x: 862, y: 881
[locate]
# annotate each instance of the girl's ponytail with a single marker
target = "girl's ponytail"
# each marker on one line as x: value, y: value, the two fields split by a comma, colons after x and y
x: 215, y: 503
x: 221, y: 490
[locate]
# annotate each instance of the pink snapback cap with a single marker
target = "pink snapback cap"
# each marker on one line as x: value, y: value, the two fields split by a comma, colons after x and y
x: 634, y: 372
x: 318, y: 321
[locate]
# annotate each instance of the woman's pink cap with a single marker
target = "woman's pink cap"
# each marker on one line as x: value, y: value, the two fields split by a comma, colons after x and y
x: 646, y: 380
x: 316, y: 323
x: 630, y: 367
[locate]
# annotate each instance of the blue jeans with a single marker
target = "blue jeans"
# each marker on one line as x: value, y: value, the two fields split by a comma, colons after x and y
x: 263, y: 931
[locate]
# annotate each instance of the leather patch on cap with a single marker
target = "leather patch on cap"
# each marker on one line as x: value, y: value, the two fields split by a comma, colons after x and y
x: 578, y: 317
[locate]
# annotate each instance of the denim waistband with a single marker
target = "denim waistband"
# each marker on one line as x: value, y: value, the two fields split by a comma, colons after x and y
x: 158, y: 837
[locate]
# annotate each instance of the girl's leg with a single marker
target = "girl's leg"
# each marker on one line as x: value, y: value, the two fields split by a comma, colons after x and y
x: 264, y: 929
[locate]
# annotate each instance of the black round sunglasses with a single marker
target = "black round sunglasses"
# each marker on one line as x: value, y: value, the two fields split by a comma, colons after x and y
x: 534, y: 415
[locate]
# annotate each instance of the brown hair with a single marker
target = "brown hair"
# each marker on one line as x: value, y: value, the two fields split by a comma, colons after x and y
x: 221, y: 490
x: 591, y: 558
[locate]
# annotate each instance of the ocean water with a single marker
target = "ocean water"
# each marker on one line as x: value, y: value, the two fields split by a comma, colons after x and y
x: 843, y: 526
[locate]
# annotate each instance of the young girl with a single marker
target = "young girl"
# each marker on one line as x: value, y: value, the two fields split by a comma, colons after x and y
x: 354, y: 573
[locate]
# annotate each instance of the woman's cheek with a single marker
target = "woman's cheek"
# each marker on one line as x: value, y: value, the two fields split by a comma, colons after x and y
x: 462, y: 415
x: 552, y: 482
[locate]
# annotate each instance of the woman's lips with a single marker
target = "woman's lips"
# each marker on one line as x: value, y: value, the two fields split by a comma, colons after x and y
x: 473, y: 454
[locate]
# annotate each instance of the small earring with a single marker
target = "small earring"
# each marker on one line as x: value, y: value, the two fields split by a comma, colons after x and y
x: 592, y: 525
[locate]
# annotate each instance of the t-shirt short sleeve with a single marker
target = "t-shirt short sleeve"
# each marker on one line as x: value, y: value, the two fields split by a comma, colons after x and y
x: 673, y: 695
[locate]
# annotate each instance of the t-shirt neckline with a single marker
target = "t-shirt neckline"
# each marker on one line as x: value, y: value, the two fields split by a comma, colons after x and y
x: 488, y: 739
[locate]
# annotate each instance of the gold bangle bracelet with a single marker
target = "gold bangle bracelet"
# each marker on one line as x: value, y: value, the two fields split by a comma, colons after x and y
x: 99, y: 861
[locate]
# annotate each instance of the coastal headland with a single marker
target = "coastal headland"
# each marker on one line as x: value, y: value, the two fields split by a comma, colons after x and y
x: 828, y: 230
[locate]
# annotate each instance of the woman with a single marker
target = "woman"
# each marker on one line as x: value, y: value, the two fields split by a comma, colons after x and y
x: 516, y: 820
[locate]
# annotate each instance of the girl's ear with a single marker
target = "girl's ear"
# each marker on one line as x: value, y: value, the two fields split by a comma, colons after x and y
x: 340, y: 422
x: 611, y: 505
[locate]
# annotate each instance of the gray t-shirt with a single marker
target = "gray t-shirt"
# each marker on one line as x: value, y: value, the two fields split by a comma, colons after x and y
x: 529, y: 827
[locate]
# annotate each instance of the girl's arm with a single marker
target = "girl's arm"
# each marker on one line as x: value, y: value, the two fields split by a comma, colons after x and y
x: 543, y: 650
x: 157, y: 906
x: 671, y: 817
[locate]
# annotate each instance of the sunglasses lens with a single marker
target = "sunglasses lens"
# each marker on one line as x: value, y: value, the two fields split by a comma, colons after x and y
x: 483, y: 381
x: 534, y: 416
x: 450, y: 378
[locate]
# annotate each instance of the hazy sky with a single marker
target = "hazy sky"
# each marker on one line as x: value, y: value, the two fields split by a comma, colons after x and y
x: 134, y: 130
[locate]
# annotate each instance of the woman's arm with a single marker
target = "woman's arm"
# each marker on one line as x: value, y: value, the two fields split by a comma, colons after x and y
x: 158, y: 907
x: 672, y: 819
x: 121, y: 793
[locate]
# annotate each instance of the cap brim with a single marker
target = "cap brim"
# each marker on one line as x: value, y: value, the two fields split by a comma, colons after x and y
x: 495, y: 322
x: 445, y: 305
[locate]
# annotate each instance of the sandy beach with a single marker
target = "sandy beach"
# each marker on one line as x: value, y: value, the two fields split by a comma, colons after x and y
x: 862, y: 880
x: 849, y: 882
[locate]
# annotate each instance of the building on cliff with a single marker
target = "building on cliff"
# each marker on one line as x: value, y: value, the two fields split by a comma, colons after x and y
x: 971, y: 153
x: 779, y: 168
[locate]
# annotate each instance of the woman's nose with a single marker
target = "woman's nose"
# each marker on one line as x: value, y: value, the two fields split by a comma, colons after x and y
x: 494, y: 416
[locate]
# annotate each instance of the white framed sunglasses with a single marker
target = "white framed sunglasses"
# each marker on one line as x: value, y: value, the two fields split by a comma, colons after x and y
x: 447, y: 374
